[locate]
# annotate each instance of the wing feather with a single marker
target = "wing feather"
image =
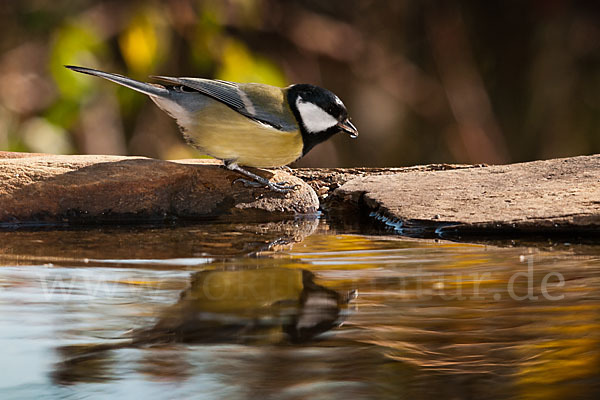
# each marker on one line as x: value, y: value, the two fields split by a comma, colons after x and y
x: 228, y: 93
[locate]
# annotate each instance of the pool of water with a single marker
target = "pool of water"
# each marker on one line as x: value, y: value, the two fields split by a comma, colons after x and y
x: 294, y: 310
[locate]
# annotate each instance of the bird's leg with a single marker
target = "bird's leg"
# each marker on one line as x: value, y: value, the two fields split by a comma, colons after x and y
x: 257, y: 180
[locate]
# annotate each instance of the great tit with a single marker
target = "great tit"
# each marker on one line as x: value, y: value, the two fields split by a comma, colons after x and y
x: 246, y: 124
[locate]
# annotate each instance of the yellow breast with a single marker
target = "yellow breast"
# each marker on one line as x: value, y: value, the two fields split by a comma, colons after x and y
x: 223, y: 133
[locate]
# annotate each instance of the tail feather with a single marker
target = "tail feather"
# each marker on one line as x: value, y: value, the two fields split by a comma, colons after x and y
x: 146, y: 88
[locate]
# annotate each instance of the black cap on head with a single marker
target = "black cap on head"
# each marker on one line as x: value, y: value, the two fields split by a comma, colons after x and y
x: 325, y: 99
x: 320, y: 114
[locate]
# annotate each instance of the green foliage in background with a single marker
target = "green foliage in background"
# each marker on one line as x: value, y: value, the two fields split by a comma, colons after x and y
x: 423, y: 83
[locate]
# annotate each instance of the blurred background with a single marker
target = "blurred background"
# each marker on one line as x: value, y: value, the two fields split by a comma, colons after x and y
x: 424, y: 81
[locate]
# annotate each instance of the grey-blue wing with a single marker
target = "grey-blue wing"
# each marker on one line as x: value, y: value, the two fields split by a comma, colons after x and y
x: 232, y: 95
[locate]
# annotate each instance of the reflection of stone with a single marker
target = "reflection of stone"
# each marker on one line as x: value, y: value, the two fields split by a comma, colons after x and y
x: 208, y: 240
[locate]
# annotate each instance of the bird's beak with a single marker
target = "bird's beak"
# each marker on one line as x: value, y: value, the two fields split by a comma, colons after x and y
x: 347, y: 127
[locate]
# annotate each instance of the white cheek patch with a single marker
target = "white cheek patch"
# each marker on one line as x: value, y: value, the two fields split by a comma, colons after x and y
x: 314, y: 118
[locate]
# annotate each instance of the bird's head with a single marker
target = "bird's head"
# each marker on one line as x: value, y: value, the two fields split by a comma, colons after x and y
x: 320, y: 114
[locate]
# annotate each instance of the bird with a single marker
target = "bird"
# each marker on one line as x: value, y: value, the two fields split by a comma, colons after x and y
x: 245, y: 124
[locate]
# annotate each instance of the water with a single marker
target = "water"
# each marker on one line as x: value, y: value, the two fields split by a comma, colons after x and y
x: 294, y: 310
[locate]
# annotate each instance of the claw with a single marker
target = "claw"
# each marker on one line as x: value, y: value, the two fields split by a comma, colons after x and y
x: 282, y: 187
x: 248, y: 183
x: 259, y: 181
x: 275, y: 186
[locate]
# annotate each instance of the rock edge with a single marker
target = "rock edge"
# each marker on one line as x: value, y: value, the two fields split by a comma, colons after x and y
x: 549, y: 196
x: 42, y: 188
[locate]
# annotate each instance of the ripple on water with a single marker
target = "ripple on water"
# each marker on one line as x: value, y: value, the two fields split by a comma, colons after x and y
x: 211, y: 308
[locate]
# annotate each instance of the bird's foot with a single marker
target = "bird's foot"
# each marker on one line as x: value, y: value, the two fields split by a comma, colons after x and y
x: 280, y: 187
x: 259, y: 181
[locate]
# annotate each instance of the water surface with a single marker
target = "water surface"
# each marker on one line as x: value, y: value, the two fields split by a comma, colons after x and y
x: 294, y: 310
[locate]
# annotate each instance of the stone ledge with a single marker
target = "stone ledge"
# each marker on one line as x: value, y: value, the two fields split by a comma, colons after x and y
x: 42, y: 188
x: 550, y: 196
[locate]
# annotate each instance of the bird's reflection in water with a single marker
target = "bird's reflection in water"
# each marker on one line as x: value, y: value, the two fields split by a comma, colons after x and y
x: 269, y: 305
x: 263, y: 305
